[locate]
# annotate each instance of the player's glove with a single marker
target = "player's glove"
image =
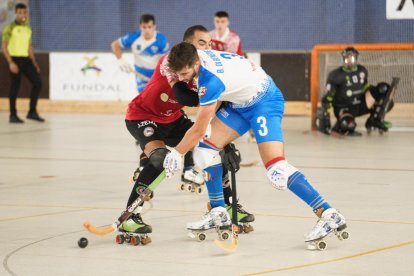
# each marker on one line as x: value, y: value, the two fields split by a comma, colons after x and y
x: 173, y: 162
x: 124, y: 66
x: 231, y: 157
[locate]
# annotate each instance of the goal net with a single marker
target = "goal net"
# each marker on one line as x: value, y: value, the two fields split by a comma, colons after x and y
x: 383, y: 62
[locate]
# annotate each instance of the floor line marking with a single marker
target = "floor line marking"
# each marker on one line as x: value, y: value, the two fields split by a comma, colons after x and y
x: 363, y: 253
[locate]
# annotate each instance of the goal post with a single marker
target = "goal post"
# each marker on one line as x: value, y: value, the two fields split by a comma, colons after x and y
x: 380, y: 58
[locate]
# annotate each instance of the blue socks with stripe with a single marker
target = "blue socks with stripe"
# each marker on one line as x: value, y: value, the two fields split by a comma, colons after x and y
x: 215, y: 186
x: 300, y: 186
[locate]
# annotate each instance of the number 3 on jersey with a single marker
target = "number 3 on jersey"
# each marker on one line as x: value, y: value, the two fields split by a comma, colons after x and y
x: 263, y: 128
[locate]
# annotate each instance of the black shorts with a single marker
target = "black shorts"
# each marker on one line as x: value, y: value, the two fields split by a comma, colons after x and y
x: 147, y: 131
x: 355, y: 110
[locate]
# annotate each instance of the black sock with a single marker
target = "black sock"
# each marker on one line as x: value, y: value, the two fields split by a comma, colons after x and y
x: 145, y: 178
x: 143, y: 160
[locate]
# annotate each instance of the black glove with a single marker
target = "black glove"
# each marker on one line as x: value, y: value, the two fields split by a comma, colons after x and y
x: 231, y: 157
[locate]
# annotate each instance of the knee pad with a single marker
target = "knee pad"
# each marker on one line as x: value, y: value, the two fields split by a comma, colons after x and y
x: 346, y: 122
x: 279, y: 174
x: 156, y: 158
x: 206, y: 156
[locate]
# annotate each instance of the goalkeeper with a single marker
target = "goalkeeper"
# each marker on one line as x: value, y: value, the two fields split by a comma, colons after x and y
x: 349, y: 95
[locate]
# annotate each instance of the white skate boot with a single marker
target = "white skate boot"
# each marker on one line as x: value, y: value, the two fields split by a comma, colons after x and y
x: 330, y: 221
x: 217, y: 218
x: 192, y: 181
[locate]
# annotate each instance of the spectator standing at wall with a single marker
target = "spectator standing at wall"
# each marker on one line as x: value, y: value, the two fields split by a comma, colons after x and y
x: 18, y: 51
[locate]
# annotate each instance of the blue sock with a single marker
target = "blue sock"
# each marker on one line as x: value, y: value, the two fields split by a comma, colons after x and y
x: 300, y: 186
x: 214, y: 185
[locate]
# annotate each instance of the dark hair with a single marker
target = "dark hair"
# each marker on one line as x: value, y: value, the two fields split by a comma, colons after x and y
x: 222, y: 14
x: 189, y: 33
x: 181, y: 55
x: 146, y: 18
x: 20, y: 6
x: 350, y: 50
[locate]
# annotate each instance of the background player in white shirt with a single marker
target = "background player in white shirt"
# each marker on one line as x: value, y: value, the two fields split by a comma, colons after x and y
x: 147, y: 46
x: 255, y: 102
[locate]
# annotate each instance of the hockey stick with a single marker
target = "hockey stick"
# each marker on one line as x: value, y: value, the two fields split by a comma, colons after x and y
x: 139, y: 75
x: 388, y: 97
x: 234, y: 226
x: 102, y: 231
x: 249, y: 164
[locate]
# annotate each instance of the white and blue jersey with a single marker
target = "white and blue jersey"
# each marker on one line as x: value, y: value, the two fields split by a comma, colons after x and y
x: 146, y: 53
x: 255, y: 101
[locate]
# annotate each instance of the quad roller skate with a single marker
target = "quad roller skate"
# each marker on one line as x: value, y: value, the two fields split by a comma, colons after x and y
x: 330, y: 222
x: 192, y: 181
x: 244, y: 219
x: 373, y: 124
x: 134, y: 231
x: 216, y: 219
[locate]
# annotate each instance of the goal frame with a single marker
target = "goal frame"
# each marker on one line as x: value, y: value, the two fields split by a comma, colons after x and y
x: 314, y: 78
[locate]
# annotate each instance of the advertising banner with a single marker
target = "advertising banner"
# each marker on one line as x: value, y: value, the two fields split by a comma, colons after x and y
x: 90, y: 76
x: 400, y: 9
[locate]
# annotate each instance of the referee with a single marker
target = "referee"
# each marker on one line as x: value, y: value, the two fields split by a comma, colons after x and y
x: 18, y: 51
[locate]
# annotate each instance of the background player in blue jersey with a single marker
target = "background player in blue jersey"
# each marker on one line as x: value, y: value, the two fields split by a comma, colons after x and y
x: 255, y: 102
x: 147, y: 46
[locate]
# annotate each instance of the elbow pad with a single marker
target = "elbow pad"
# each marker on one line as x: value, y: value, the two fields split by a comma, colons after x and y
x: 185, y: 95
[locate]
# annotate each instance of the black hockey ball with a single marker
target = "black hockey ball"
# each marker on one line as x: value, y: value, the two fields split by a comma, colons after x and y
x: 83, y: 242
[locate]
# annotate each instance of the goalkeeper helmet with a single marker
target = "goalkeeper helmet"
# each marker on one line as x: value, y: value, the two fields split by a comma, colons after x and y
x: 350, y: 57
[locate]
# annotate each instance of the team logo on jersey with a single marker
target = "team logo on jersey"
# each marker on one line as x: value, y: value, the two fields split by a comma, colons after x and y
x: 148, y: 131
x: 202, y: 91
x: 154, y: 49
x: 362, y: 76
x: 164, y: 97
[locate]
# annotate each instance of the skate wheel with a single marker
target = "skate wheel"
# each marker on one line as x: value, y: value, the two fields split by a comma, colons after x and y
x: 321, y: 245
x: 343, y: 235
x: 134, y: 241
x: 189, y: 188
x: 181, y: 187
x: 381, y: 131
x: 198, y: 190
x: 201, y: 236
x: 224, y: 235
x: 239, y: 229
x: 119, y: 239
x: 145, y: 240
x: 247, y: 228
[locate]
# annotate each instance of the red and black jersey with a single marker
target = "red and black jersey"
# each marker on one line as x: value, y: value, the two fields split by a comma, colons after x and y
x: 157, y: 101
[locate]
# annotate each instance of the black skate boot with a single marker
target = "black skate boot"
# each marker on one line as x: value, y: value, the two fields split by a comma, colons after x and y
x: 134, y: 231
x: 244, y: 218
x: 372, y: 124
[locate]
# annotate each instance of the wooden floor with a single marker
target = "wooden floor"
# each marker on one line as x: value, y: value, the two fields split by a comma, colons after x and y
x: 75, y: 167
